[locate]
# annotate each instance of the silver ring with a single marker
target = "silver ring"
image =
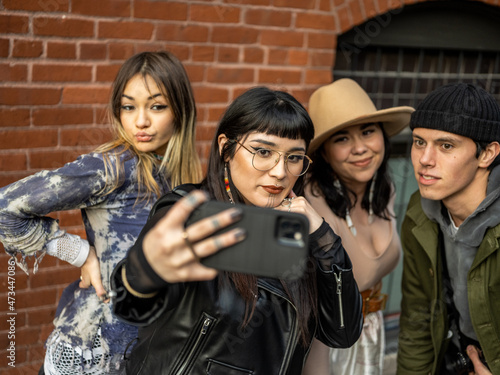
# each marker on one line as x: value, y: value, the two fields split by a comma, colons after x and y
x: 287, y: 202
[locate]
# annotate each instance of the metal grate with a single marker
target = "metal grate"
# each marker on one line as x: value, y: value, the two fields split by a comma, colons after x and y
x: 404, y: 76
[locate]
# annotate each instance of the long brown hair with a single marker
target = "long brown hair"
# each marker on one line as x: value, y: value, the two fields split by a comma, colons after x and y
x: 180, y: 162
x: 321, y: 177
x: 276, y: 113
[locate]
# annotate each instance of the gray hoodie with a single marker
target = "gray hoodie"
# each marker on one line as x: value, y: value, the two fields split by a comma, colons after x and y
x: 461, y: 243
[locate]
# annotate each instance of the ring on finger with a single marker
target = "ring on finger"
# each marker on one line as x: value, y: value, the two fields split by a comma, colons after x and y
x: 218, y: 243
x: 287, y: 202
x: 216, y: 224
x: 188, y: 243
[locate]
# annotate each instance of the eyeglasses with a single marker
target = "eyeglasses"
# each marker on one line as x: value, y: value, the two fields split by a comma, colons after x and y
x: 265, y: 159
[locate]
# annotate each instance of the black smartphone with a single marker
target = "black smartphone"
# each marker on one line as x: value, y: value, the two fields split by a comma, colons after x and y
x: 276, y: 243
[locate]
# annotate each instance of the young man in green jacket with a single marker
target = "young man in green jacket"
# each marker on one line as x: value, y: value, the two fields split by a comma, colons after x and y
x: 451, y: 236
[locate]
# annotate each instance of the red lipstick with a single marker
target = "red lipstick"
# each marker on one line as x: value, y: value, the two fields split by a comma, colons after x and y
x: 273, y: 189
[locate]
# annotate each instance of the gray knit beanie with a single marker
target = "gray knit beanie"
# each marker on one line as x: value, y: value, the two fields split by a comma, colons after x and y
x: 460, y: 108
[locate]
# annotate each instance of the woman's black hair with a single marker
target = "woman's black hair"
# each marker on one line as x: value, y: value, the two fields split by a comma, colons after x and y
x: 321, y: 176
x: 260, y: 110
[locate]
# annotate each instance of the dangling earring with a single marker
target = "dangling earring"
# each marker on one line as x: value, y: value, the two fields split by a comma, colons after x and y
x: 371, y: 217
x: 226, y: 184
x: 336, y: 185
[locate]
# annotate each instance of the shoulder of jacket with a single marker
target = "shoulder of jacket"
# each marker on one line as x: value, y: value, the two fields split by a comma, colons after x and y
x: 492, y: 237
x: 185, y: 189
x: 414, y: 209
x: 173, y: 196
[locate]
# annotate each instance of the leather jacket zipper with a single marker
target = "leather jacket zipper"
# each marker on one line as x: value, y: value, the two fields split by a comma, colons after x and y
x: 293, y: 334
x: 338, y: 278
x: 199, y: 339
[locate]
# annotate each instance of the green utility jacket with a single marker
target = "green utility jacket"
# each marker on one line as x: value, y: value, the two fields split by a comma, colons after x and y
x: 423, y: 323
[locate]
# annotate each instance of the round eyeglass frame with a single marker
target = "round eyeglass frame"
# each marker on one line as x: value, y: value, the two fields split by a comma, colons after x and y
x: 277, y: 160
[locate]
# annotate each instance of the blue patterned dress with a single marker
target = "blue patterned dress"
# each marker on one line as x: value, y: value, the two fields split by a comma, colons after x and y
x: 88, y: 338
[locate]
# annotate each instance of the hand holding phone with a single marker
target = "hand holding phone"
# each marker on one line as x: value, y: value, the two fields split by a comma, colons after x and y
x: 173, y: 250
x: 276, y: 243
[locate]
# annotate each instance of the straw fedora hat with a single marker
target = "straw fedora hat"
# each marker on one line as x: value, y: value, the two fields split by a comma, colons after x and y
x: 344, y: 103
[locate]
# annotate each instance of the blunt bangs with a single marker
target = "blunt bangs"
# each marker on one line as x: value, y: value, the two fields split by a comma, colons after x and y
x: 271, y: 112
x: 283, y: 122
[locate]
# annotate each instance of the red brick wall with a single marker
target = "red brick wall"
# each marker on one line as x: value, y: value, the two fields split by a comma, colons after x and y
x: 59, y: 57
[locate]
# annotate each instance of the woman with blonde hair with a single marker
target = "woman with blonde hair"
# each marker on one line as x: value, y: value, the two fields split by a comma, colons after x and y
x: 153, y: 115
x: 350, y: 186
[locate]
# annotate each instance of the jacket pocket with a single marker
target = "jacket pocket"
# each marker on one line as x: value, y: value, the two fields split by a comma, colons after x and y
x: 220, y: 368
x: 195, y: 342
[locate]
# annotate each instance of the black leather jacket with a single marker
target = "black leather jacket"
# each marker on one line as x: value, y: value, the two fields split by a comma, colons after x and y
x: 195, y: 328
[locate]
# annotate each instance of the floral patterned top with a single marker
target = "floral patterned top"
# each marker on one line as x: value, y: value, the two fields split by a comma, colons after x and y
x: 112, y: 223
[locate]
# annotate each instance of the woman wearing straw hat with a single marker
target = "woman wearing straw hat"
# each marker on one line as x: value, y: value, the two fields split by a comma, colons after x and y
x: 349, y: 185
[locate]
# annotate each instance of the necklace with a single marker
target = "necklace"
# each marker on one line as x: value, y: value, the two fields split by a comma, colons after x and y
x: 158, y: 157
x: 371, y: 216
